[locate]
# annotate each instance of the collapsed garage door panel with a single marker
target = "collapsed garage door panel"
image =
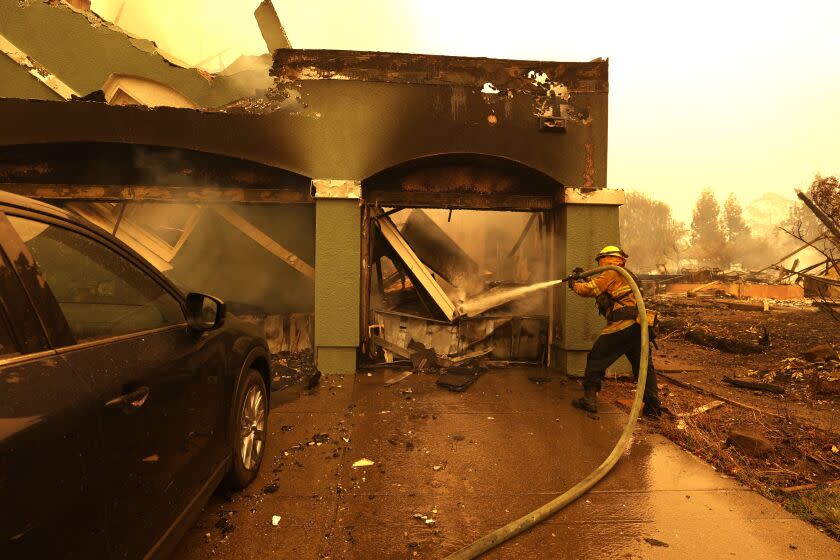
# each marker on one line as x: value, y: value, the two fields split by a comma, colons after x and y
x: 448, y: 280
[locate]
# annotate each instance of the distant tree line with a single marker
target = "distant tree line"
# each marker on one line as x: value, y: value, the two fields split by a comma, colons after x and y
x: 718, y: 236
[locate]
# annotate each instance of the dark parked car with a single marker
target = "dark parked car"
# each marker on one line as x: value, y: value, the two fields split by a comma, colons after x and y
x: 123, y: 403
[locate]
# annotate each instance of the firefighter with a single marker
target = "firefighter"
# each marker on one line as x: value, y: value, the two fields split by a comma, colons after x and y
x: 621, y: 335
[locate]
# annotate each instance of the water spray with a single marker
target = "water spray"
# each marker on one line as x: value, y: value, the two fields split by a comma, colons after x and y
x: 525, y: 522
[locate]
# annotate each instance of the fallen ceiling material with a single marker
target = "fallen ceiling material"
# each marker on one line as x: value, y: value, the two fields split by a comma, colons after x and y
x: 39, y: 35
x: 124, y: 89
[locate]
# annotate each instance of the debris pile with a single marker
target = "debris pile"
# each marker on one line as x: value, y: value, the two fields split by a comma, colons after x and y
x: 688, y: 322
x: 814, y: 375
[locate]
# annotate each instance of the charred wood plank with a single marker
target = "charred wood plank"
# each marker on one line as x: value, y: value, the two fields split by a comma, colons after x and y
x: 391, y: 347
x: 755, y: 386
x: 704, y: 391
x: 439, y: 252
x: 522, y: 235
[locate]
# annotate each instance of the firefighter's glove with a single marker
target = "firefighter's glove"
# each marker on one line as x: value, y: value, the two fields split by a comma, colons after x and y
x: 575, y: 277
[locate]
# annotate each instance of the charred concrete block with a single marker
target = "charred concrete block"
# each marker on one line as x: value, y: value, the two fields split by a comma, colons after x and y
x: 749, y: 441
x: 820, y: 353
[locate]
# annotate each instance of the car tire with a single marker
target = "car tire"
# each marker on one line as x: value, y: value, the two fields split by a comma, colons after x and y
x: 249, y: 430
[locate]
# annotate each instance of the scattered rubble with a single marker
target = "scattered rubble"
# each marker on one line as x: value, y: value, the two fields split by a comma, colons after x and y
x: 224, y: 523
x: 458, y: 379
x: 426, y: 519
x: 293, y: 368
x: 701, y: 334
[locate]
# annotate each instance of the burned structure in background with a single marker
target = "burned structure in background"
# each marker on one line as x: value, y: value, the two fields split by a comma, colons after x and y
x: 348, y: 197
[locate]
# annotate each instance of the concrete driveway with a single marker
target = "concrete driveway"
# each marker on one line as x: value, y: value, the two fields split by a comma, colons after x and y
x: 471, y: 462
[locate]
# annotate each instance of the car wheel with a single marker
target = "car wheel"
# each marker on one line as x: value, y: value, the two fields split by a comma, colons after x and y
x: 250, y: 427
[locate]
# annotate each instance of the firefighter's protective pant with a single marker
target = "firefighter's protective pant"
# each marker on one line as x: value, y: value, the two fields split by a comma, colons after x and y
x: 610, y: 347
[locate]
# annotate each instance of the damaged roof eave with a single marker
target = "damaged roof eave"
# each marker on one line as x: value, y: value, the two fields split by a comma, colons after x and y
x: 504, y: 74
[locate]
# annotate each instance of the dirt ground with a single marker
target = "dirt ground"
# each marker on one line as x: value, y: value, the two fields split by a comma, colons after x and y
x: 797, y: 461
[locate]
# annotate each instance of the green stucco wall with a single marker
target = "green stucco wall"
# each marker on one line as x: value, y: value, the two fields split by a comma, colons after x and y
x: 581, y: 231
x: 16, y: 81
x: 337, y: 257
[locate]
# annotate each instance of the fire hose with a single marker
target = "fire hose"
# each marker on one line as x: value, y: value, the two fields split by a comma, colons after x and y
x: 540, y: 514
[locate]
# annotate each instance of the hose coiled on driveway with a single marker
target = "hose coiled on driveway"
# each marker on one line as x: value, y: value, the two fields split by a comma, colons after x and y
x: 525, y: 522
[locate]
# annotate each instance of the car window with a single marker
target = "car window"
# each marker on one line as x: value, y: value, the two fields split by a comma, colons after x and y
x: 7, y: 343
x: 100, y: 292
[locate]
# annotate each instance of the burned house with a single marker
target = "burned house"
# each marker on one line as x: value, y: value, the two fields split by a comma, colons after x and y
x: 361, y: 203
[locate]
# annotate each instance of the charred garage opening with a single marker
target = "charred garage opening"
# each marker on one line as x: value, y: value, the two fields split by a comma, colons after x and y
x: 454, y: 273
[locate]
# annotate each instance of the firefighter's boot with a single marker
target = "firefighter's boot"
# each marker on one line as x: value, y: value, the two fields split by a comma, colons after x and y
x: 588, y: 402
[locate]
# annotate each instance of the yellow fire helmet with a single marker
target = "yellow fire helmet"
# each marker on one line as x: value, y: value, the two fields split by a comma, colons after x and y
x: 611, y: 251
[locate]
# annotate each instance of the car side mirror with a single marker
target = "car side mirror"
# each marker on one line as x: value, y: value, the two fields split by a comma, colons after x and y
x: 205, y: 313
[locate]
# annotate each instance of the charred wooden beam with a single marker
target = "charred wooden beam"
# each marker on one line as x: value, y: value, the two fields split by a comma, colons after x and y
x: 111, y: 193
x: 265, y: 241
x: 522, y: 235
x: 822, y: 216
x: 459, y: 201
x: 419, y: 271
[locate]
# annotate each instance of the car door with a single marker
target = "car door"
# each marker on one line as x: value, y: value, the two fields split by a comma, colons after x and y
x: 158, y: 384
x: 49, y: 437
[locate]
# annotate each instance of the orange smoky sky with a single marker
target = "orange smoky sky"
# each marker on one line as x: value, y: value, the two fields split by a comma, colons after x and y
x: 736, y: 96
